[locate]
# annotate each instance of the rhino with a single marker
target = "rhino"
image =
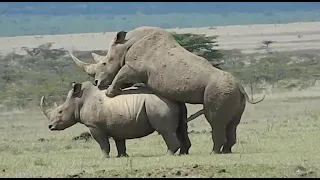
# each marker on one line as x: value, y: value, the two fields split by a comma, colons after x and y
x: 135, y: 113
x: 152, y: 56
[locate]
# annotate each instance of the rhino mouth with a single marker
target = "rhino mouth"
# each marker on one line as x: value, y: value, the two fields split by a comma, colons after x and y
x: 53, y: 128
x: 103, y: 87
x: 56, y: 129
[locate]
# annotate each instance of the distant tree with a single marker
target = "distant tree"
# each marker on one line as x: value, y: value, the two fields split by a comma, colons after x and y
x: 201, y: 45
x: 10, y: 71
x: 52, y: 58
x: 45, y: 50
x: 300, y: 36
x: 265, y: 45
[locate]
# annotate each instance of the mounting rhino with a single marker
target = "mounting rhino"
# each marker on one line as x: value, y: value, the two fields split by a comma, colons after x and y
x: 133, y: 114
x: 152, y: 56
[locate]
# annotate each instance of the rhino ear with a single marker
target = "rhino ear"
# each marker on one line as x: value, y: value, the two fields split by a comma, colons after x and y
x: 77, y: 92
x: 120, y: 37
x: 72, y: 84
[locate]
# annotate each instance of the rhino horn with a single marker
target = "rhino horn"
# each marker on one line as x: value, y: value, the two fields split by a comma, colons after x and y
x: 87, y: 67
x: 45, y: 111
x: 96, y: 57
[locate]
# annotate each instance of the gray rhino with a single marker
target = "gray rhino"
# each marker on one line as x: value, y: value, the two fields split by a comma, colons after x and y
x: 133, y: 114
x: 152, y: 56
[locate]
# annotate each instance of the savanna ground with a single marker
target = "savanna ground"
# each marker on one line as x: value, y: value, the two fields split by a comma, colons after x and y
x: 277, y: 138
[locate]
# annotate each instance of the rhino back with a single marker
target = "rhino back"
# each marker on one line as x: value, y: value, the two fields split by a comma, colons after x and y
x: 165, y: 59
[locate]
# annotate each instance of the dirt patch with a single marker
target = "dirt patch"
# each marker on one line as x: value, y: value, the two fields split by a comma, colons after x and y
x: 199, y: 132
x: 42, y: 139
x: 196, y: 132
x: 189, y: 171
x: 86, y: 136
x: 78, y: 175
x: 300, y: 99
x: 303, y: 172
x: 18, y: 127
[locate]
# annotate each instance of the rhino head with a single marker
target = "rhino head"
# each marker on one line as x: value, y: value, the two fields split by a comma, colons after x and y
x: 67, y: 114
x: 106, y: 67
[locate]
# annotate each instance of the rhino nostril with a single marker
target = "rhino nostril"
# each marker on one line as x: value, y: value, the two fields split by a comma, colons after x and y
x: 95, y: 82
x: 50, y: 126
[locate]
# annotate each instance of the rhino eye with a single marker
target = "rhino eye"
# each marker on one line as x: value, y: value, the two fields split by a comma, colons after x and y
x: 104, y: 64
x: 60, y: 112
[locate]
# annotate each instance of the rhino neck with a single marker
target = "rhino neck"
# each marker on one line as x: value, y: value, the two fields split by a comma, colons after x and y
x: 123, y: 49
x: 91, y: 106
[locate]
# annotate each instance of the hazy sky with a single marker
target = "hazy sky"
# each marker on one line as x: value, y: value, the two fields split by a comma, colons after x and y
x: 117, y: 8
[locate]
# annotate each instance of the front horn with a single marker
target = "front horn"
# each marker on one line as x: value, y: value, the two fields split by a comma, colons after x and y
x: 87, y: 67
x: 46, y: 112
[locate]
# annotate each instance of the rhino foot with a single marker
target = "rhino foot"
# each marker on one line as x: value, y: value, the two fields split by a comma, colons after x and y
x: 169, y: 153
x: 215, y: 152
x: 226, y: 150
x: 122, y: 155
x: 112, y: 92
x: 183, y: 152
x: 104, y: 156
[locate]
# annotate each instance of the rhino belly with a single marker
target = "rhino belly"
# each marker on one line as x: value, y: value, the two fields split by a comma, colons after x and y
x: 185, y: 91
x: 130, y: 128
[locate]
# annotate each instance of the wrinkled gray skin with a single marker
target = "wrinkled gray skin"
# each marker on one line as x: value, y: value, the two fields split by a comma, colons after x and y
x: 152, y: 56
x: 134, y: 114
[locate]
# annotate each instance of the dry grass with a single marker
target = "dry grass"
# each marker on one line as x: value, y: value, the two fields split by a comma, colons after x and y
x: 275, y: 138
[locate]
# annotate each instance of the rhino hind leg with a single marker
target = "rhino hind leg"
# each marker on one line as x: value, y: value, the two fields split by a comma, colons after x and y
x: 218, y: 138
x: 172, y: 142
x: 121, y: 147
x: 231, y: 131
x: 218, y: 110
x: 182, y: 131
x: 182, y: 135
x: 231, y: 136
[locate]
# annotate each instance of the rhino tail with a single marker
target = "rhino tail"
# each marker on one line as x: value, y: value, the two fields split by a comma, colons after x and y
x: 247, y: 97
x: 195, y: 115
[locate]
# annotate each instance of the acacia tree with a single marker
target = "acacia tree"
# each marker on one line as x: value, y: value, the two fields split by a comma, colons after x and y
x: 265, y: 45
x: 201, y: 45
x: 11, y: 71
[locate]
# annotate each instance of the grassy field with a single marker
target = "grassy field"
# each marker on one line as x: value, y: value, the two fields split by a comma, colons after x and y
x: 277, y: 138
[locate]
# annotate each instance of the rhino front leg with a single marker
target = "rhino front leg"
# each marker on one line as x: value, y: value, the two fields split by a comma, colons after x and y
x: 125, y: 75
x: 121, y: 148
x: 102, y: 140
